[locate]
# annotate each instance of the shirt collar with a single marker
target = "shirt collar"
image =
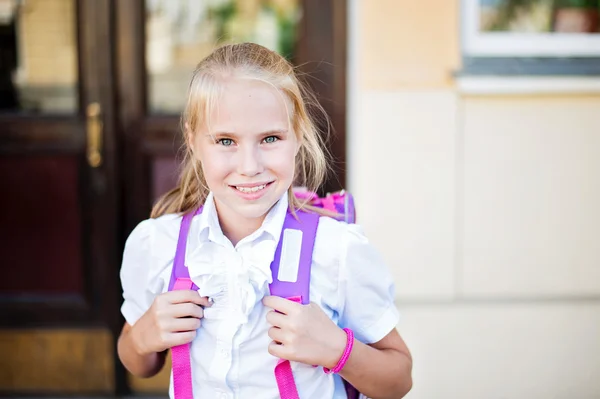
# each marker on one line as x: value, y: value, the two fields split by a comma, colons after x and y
x: 208, y: 227
x: 273, y: 222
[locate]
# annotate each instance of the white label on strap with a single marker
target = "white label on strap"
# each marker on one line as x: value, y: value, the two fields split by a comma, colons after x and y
x: 290, y: 255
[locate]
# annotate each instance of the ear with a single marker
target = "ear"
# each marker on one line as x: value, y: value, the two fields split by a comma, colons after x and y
x: 189, y: 136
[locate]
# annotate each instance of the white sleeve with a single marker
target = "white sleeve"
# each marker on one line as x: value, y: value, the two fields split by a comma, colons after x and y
x: 366, y: 288
x: 135, y: 273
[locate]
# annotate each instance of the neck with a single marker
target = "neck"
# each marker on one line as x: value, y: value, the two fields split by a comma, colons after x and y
x: 236, y: 227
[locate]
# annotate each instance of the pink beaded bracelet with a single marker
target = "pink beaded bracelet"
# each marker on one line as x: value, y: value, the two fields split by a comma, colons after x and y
x: 345, y: 355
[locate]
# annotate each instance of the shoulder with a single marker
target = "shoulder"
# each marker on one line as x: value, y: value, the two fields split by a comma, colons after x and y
x: 149, y: 251
x: 163, y: 225
x: 346, y: 251
x: 346, y: 246
x: 333, y: 233
x: 334, y: 242
x: 155, y: 237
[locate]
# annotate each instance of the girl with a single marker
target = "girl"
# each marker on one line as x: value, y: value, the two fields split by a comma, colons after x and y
x: 249, y: 136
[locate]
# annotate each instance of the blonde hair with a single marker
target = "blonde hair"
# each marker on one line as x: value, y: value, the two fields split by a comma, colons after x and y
x: 248, y: 60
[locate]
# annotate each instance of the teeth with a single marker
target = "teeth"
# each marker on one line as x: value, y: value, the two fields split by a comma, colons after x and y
x: 251, y: 189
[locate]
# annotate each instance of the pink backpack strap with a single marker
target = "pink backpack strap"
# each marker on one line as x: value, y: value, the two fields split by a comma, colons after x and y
x: 180, y: 280
x: 298, y: 291
x: 307, y: 223
x: 179, y: 269
x: 180, y: 358
x: 284, y: 376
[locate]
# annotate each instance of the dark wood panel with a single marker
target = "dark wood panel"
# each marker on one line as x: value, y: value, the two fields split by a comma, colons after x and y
x: 131, y: 102
x: 321, y: 55
x: 100, y: 195
x: 40, y: 215
x: 41, y: 134
x: 28, y: 310
x: 338, y: 113
x: 165, y: 173
x: 102, y: 185
x: 162, y: 135
x: 56, y: 362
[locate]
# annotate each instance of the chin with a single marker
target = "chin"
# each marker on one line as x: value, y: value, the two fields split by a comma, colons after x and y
x: 255, y: 210
x: 240, y: 208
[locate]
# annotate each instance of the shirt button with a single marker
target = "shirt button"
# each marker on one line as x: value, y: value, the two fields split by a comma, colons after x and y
x: 224, y: 353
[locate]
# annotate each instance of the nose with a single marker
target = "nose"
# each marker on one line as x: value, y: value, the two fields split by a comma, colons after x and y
x: 249, y: 163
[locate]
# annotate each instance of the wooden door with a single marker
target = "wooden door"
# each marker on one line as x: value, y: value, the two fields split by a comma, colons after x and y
x: 159, y: 43
x: 60, y: 237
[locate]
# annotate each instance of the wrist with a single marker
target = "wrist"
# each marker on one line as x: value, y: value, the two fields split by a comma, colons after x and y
x: 339, y: 347
x: 137, y: 342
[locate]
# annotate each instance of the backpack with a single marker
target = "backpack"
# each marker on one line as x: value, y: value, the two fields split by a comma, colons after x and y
x: 341, y: 204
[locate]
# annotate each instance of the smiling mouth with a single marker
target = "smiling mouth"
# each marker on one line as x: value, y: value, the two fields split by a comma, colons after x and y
x: 251, y: 189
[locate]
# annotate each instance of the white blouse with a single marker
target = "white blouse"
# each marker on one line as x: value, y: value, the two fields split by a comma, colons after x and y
x: 349, y: 280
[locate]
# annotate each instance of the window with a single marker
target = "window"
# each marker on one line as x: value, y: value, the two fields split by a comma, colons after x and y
x: 547, y: 37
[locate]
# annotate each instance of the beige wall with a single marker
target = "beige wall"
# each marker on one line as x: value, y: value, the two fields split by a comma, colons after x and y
x: 483, y: 205
x: 407, y: 43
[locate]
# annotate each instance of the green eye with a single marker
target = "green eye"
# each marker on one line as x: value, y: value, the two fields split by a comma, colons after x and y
x: 271, y: 139
x: 225, y: 142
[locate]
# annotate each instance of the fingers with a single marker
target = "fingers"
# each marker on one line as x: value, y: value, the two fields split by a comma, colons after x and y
x: 275, y: 349
x: 184, y: 324
x: 188, y: 310
x: 276, y: 319
x: 281, y: 305
x: 277, y: 335
x: 201, y: 300
x: 279, y: 351
x: 181, y: 296
x: 181, y: 338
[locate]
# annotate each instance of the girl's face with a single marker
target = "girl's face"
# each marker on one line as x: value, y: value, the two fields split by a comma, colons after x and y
x: 248, y: 150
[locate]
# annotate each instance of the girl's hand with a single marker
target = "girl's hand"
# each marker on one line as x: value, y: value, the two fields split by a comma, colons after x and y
x: 172, y: 320
x: 303, y: 333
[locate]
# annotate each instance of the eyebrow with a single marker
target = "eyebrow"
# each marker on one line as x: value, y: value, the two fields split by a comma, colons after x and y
x: 265, y: 133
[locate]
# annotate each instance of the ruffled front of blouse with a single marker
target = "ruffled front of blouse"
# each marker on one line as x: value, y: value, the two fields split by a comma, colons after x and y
x: 235, y: 283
